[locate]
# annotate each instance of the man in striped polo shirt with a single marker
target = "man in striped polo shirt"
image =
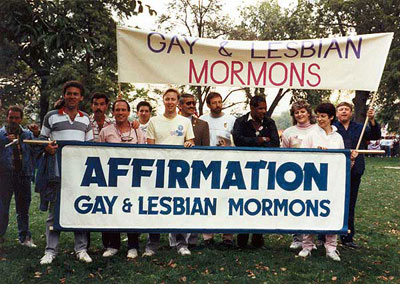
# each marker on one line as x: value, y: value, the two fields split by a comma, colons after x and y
x: 67, y: 123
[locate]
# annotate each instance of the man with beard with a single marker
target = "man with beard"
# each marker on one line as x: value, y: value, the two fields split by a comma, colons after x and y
x: 67, y: 123
x: 351, y: 132
x: 16, y: 169
x: 221, y: 126
x: 255, y: 129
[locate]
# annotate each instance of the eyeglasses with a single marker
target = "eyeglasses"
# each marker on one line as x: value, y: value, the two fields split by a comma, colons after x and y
x: 127, y: 138
x: 190, y: 103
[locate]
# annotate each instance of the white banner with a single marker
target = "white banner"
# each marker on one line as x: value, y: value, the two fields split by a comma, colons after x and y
x: 206, y: 189
x: 349, y: 63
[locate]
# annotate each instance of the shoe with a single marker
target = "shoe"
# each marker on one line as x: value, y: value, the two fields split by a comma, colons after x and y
x: 228, y: 244
x: 132, y: 253
x: 47, y: 258
x: 83, y: 256
x: 351, y: 244
x: 257, y: 240
x: 209, y: 243
x: 242, y: 240
x: 304, y: 253
x: 314, y: 247
x: 149, y: 252
x: 110, y: 252
x: 28, y: 243
x: 333, y: 255
x: 184, y: 251
x: 295, y: 245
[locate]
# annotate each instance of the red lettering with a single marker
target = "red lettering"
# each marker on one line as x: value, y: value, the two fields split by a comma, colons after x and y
x: 250, y: 73
x: 226, y: 72
x: 270, y: 74
x: 236, y: 71
x: 192, y: 70
x: 293, y: 70
x: 315, y: 74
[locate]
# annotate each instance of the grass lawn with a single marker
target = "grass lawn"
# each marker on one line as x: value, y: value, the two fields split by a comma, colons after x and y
x: 378, y: 261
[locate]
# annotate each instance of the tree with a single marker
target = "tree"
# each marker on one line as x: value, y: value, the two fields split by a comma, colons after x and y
x: 46, y: 43
x: 364, y: 17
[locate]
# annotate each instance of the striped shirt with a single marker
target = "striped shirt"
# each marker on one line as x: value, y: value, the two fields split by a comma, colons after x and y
x: 58, y: 125
x: 95, y: 127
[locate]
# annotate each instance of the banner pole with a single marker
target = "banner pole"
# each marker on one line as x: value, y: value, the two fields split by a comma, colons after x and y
x: 366, y: 121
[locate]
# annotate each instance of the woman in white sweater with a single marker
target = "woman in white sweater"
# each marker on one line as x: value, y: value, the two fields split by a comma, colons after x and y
x: 292, y: 137
x: 324, y: 137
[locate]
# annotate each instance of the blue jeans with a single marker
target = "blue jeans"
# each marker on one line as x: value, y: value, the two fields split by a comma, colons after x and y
x: 21, y: 187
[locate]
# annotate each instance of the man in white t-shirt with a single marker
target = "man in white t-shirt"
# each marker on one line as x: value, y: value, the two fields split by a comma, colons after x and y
x: 221, y: 126
x: 170, y: 129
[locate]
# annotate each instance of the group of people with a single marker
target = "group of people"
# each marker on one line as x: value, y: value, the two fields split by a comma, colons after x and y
x: 330, y: 128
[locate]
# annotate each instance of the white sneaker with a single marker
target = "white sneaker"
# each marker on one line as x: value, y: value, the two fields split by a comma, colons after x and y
x: 28, y: 243
x: 184, y: 251
x: 304, y: 253
x: 110, y: 252
x: 295, y: 245
x: 132, y: 253
x: 148, y: 252
x: 333, y: 255
x: 83, y: 256
x: 314, y: 247
x: 47, y: 258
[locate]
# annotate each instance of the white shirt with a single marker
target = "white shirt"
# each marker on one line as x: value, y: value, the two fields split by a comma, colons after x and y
x: 219, y: 127
x: 319, y: 138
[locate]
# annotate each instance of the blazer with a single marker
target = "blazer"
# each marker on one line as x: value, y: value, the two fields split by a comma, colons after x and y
x: 201, y: 132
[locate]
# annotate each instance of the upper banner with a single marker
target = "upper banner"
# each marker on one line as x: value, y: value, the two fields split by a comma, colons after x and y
x: 347, y: 63
x: 156, y: 188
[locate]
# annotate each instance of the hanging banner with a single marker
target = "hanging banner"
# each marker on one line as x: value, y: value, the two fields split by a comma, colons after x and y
x: 347, y: 63
x: 208, y: 189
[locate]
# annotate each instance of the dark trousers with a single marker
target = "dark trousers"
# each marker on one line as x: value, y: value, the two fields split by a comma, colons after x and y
x: 113, y: 240
x: 355, y: 181
x: 21, y: 187
x: 257, y: 240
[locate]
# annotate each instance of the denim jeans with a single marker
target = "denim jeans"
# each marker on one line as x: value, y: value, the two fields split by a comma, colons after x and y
x: 20, y: 186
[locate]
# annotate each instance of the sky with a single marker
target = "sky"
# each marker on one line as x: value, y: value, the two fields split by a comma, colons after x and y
x: 231, y: 7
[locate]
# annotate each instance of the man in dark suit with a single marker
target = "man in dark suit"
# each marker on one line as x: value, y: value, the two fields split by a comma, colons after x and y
x: 255, y: 129
x: 187, y: 107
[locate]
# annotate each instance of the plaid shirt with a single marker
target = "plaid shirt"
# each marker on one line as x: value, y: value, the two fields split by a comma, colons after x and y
x: 95, y: 126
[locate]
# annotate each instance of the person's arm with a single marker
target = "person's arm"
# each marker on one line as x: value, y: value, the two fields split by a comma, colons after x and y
x: 239, y: 138
x: 151, y: 141
x: 373, y: 130
x: 205, y: 139
x: 273, y: 135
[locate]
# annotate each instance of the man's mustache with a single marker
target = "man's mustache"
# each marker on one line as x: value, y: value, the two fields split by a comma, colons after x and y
x: 99, y: 110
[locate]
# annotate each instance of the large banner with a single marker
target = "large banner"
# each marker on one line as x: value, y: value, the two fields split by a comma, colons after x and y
x: 208, y: 189
x: 349, y: 63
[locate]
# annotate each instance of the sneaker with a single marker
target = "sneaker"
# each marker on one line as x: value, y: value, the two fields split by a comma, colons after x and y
x: 47, y: 258
x: 83, y: 256
x: 184, y: 251
x: 333, y: 255
x: 314, y: 247
x: 304, y: 253
x: 132, y: 253
x: 110, y: 252
x: 295, y: 245
x: 149, y: 252
x: 28, y: 243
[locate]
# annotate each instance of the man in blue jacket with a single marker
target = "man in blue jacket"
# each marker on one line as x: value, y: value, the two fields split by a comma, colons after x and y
x: 351, y: 132
x: 16, y: 169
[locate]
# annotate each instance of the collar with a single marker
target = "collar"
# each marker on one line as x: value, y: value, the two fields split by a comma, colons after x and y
x: 61, y: 112
x: 249, y: 117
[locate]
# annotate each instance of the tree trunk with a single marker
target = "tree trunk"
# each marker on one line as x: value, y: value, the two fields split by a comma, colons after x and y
x: 44, y: 95
x: 274, y: 104
x: 360, y: 106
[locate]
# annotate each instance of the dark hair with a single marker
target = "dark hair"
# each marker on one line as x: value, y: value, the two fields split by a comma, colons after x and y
x: 185, y: 96
x: 118, y: 101
x: 256, y: 100
x: 211, y: 96
x: 327, y: 108
x: 75, y: 84
x: 172, y: 90
x: 99, y: 96
x: 299, y: 105
x: 144, y: 103
x: 349, y: 105
x: 15, y: 108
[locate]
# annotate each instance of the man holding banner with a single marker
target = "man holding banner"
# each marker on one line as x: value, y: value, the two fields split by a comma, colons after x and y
x: 255, y: 129
x: 171, y: 129
x: 351, y: 132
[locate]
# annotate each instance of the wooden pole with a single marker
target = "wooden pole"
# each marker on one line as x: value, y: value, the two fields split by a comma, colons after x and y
x: 366, y: 121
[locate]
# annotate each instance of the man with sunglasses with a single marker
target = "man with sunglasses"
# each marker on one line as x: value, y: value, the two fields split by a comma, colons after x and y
x: 122, y: 131
x: 187, y: 106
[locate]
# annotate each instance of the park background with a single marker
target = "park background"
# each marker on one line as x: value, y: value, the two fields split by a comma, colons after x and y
x: 45, y: 43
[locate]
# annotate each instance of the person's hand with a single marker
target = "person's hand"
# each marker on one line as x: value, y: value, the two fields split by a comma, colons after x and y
x: 51, y: 148
x: 353, y: 154
x: 135, y: 124
x: 11, y: 137
x: 188, y: 144
x: 322, y: 148
x: 221, y: 143
x: 34, y: 128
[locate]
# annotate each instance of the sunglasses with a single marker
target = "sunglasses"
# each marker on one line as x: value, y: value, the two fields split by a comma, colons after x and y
x: 190, y: 103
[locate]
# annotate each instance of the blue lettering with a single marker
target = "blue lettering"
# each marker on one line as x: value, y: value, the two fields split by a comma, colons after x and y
x: 234, y: 176
x: 320, y: 178
x: 178, y: 176
x: 213, y: 168
x: 114, y: 172
x: 138, y: 173
x: 93, y: 164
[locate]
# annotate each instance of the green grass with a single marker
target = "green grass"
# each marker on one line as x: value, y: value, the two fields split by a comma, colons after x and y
x: 378, y: 261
